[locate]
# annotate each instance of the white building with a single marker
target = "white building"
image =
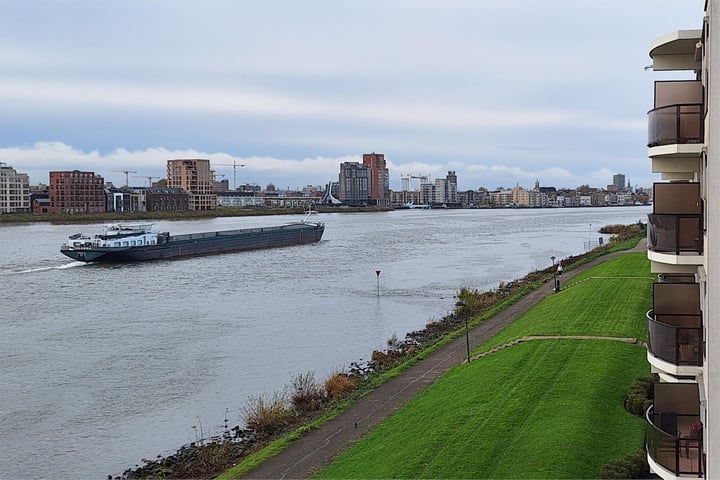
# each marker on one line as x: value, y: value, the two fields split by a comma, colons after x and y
x: 14, y: 190
x: 683, y: 432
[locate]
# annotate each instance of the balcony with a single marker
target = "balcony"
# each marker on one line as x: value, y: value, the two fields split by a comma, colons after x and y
x: 675, y: 234
x: 677, y: 51
x: 675, y: 330
x: 675, y: 124
x: 676, y: 129
x: 674, y: 439
x: 675, y: 228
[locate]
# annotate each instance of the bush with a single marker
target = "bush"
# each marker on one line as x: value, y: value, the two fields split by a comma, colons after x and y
x: 631, y: 466
x: 307, y: 395
x: 639, y: 396
x: 266, y: 416
x: 339, y: 385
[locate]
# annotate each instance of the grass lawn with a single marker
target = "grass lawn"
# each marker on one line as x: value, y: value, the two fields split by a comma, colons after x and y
x: 540, y: 409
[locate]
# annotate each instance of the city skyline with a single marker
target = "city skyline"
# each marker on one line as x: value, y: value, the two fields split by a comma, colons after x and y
x: 292, y: 90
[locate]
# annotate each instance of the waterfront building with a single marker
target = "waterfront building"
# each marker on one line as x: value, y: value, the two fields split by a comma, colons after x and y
x: 379, y: 178
x: 501, y: 198
x: 529, y: 198
x: 618, y: 182
x: 240, y: 198
x: 195, y: 177
x: 354, y: 184
x: 76, y: 192
x: 683, y: 431
x: 446, y: 189
x: 163, y: 199
x: 14, y: 190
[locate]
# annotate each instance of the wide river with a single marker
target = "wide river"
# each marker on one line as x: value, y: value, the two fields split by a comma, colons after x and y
x: 103, y: 365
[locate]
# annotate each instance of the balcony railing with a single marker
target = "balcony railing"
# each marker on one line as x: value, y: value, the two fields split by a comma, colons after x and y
x: 675, y: 233
x: 669, y: 443
x: 670, y: 338
x: 673, y: 124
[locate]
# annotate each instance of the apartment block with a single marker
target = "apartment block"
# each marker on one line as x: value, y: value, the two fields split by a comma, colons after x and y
x: 195, y: 177
x: 76, y: 192
x: 379, y: 178
x: 683, y: 431
x: 354, y: 184
x: 14, y: 190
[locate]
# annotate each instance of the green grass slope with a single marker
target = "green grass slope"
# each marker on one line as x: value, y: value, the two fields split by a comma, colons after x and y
x: 539, y: 409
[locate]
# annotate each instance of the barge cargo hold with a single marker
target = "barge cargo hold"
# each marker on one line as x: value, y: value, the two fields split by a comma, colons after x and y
x: 138, y: 242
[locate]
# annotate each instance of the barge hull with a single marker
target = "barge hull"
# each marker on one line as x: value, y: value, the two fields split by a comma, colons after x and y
x: 209, y: 243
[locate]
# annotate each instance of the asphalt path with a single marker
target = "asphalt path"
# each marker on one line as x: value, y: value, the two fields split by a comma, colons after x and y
x: 316, y: 449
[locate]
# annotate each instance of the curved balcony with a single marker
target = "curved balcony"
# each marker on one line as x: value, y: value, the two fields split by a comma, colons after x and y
x: 675, y: 124
x: 675, y: 234
x: 672, y: 447
x: 675, y: 343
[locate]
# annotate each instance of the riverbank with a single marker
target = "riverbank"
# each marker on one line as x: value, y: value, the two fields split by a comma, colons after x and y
x: 78, y: 218
x: 489, y: 311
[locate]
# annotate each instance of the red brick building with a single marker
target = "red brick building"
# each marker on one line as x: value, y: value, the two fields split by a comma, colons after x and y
x: 379, y: 178
x: 76, y: 192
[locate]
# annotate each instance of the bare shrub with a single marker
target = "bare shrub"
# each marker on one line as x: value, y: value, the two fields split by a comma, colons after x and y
x: 306, y: 395
x: 339, y: 385
x: 266, y: 416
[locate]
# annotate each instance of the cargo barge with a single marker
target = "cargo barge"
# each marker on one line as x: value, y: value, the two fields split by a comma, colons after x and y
x: 139, y: 242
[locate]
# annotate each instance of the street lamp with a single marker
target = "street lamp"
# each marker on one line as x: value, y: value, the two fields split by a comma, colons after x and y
x: 461, y: 307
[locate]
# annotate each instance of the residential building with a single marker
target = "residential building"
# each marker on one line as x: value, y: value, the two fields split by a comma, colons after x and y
x: 446, y: 189
x: 158, y: 199
x: 618, y: 182
x: 683, y: 432
x: 76, y: 192
x: 354, y: 184
x: 14, y: 190
x: 195, y: 177
x: 379, y: 178
x: 240, y: 198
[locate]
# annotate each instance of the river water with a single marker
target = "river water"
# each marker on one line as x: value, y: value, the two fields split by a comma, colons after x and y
x: 103, y: 365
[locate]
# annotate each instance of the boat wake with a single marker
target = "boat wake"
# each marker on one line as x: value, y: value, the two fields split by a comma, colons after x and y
x: 45, y: 269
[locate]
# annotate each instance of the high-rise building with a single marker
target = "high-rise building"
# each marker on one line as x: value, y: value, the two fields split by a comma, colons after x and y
x: 76, y: 192
x: 379, y: 178
x: 14, y: 190
x: 683, y: 432
x: 619, y: 181
x: 354, y: 184
x: 195, y: 177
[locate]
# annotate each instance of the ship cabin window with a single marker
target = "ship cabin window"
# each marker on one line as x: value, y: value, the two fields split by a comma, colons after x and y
x: 124, y: 244
x: 116, y: 244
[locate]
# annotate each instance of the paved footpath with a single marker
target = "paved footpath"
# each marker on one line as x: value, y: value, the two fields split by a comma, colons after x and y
x: 317, y: 449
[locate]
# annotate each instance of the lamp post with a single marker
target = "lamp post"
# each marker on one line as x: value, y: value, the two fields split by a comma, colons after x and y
x: 555, y: 283
x: 461, y: 307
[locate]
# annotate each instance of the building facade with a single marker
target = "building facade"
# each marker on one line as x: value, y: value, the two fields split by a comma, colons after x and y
x: 195, y: 177
x: 354, y: 184
x: 76, y: 192
x: 683, y: 431
x: 379, y: 178
x: 14, y: 190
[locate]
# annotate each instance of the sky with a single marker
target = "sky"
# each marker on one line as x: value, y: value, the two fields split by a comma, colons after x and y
x: 503, y: 93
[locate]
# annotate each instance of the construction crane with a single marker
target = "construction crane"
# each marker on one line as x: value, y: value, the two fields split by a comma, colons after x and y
x: 149, y: 178
x: 235, y: 164
x: 126, y: 174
